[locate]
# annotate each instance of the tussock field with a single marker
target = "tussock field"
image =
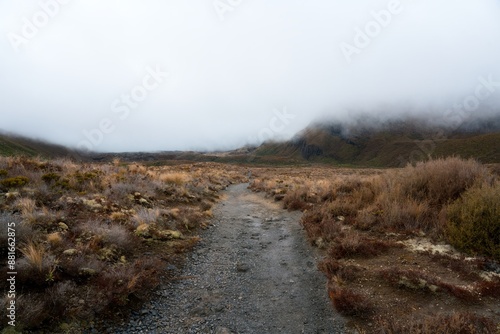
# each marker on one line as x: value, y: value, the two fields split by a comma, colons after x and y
x: 93, y: 240
x: 412, y: 250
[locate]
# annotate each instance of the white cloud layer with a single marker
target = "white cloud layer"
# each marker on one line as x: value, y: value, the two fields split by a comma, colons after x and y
x: 232, y: 66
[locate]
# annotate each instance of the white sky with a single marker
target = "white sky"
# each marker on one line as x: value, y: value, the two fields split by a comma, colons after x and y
x: 228, y: 78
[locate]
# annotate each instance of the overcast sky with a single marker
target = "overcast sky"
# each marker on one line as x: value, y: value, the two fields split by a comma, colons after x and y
x: 93, y: 73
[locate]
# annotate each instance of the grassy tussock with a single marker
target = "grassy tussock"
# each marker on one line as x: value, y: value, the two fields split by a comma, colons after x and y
x: 348, y: 302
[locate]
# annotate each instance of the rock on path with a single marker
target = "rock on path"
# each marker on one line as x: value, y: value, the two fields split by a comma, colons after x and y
x: 253, y: 272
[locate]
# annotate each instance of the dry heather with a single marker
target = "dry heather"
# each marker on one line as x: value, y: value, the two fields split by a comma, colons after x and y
x: 387, y: 233
x: 93, y: 238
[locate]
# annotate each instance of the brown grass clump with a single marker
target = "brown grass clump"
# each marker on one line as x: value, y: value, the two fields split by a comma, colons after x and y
x: 178, y: 179
x: 334, y: 269
x: 118, y: 284
x: 441, y: 181
x: 349, y: 303
x: 32, y: 309
x: 54, y: 239
x: 351, y: 244
x: 330, y: 267
x: 409, y: 199
x: 27, y: 206
x: 146, y: 216
x: 34, y: 254
x: 456, y: 323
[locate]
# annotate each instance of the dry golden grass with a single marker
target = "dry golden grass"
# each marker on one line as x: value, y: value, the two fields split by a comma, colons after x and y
x: 178, y: 179
x: 54, y: 239
x: 34, y: 253
x: 27, y: 207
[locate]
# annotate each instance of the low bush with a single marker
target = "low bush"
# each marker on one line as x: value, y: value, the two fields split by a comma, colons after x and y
x: 457, y: 323
x: 50, y: 177
x: 349, y: 303
x: 474, y: 221
x: 14, y: 182
x: 351, y: 244
x: 440, y: 181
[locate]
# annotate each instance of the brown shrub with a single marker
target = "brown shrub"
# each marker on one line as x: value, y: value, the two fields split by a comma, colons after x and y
x: 410, y: 199
x: 330, y: 267
x: 440, y: 181
x: 37, y: 267
x: 296, y: 200
x: 34, y: 254
x: 58, y: 298
x: 178, y: 179
x: 189, y: 219
x: 349, y: 303
x: 54, y: 239
x: 102, y: 234
x: 352, y: 244
x: 117, y: 284
x: 489, y: 288
x: 320, y: 223
x: 79, y: 266
x: 456, y: 323
x: 146, y: 216
x: 343, y: 207
x: 32, y: 310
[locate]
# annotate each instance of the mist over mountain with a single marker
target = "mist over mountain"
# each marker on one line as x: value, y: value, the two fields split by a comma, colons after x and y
x: 369, y: 141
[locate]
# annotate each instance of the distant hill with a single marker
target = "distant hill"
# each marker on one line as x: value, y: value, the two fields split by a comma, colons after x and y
x: 367, y: 142
x: 17, y: 145
x: 390, y: 144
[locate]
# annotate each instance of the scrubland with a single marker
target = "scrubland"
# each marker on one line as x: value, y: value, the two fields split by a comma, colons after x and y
x: 93, y: 240
x: 411, y: 250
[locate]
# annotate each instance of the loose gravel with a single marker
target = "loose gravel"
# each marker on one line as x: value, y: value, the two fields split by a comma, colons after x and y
x: 253, y: 272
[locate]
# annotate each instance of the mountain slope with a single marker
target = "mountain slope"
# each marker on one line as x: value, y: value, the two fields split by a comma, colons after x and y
x: 15, y: 145
x: 393, y: 144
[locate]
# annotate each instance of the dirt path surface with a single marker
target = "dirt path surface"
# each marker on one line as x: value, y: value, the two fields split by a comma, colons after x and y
x: 253, y: 272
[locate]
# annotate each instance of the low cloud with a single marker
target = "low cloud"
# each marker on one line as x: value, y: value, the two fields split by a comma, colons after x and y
x: 231, y: 66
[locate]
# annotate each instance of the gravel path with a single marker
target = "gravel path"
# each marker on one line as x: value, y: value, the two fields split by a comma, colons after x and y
x: 253, y: 272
